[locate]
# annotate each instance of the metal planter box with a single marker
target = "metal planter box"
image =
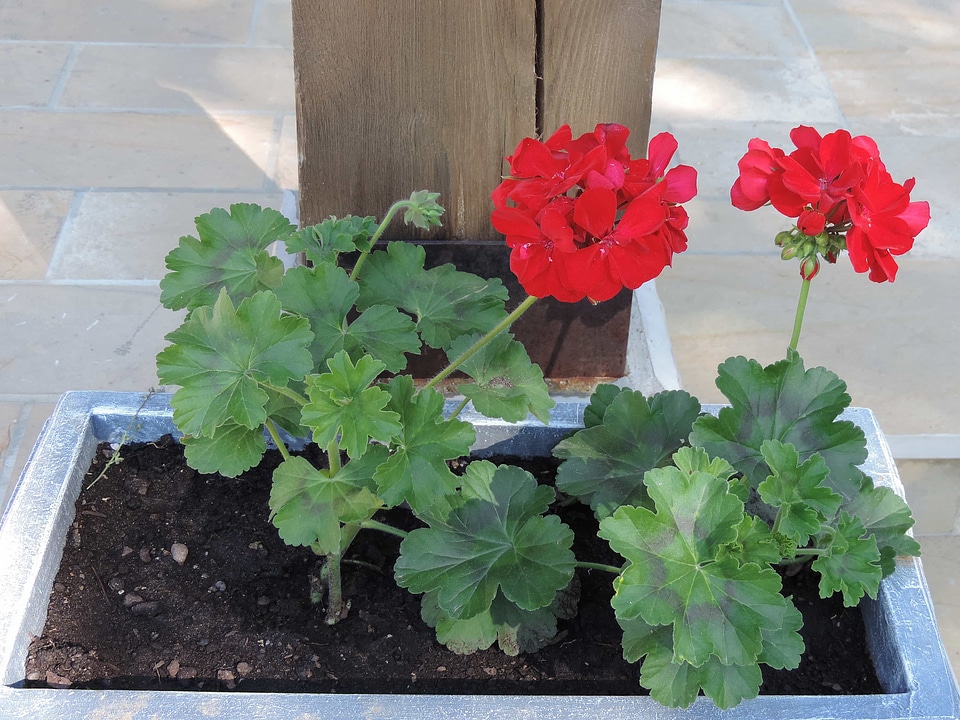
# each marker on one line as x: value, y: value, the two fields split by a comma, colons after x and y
x: 901, y: 627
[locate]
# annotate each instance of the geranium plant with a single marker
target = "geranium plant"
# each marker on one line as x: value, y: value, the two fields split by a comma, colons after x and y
x: 701, y: 508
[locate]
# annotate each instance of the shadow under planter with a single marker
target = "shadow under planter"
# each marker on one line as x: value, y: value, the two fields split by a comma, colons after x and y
x: 901, y: 629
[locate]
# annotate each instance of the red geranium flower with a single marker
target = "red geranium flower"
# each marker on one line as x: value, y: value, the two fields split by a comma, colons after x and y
x: 583, y: 219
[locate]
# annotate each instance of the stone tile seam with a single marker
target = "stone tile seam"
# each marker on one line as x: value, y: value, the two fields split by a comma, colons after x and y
x: 170, y: 45
x: 79, y: 282
x: 255, y: 14
x: 273, y: 154
x: 788, y: 8
x: 63, y: 237
x: 252, y: 190
x: 134, y: 110
x: 65, y: 72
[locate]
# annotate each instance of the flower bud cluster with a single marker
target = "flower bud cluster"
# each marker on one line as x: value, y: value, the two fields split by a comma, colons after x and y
x: 809, y: 249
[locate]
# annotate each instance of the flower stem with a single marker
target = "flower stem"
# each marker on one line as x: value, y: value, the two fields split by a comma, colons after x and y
x: 333, y: 457
x: 287, y: 393
x: 459, y: 408
x: 798, y: 320
x: 275, y: 435
x: 334, y: 590
x: 382, y: 527
x: 482, y: 342
x: 387, y: 219
x: 598, y: 566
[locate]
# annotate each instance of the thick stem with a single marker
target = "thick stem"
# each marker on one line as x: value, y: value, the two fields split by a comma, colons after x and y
x: 334, y: 590
x: 287, y: 393
x: 376, y: 235
x: 275, y: 434
x: 482, y: 342
x: 599, y: 566
x: 798, y: 320
x: 459, y: 408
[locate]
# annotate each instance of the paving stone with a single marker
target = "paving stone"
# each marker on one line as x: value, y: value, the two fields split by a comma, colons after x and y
x: 198, y: 79
x: 36, y: 414
x: 30, y: 72
x: 30, y: 222
x: 941, y: 564
x: 127, y: 235
x: 273, y: 24
x: 933, y: 491
x: 286, y: 175
x: 135, y: 150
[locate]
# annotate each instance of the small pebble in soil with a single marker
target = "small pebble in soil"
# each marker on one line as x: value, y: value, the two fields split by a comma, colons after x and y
x: 263, y: 600
x: 178, y: 551
x: 218, y: 586
x: 173, y: 668
x: 115, y: 583
x: 244, y: 668
x: 126, y: 551
x: 131, y: 599
x: 149, y: 608
x: 145, y: 554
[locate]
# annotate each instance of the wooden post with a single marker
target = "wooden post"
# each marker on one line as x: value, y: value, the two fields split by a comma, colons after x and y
x: 401, y: 95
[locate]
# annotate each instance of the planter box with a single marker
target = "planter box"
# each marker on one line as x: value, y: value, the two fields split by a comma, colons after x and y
x: 901, y: 629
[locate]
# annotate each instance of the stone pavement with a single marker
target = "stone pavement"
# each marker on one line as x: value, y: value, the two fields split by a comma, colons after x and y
x: 123, y: 119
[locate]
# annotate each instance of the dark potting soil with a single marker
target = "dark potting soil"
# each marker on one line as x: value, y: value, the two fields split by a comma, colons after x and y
x: 236, y: 615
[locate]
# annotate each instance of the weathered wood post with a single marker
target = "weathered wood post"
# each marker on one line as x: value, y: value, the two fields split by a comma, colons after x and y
x: 401, y: 95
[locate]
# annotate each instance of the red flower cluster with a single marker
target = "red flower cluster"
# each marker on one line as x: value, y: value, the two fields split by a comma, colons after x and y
x: 583, y: 219
x: 835, y: 184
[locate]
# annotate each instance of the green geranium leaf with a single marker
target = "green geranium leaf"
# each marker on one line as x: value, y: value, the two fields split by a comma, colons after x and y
x: 220, y: 355
x: 446, y: 303
x: 604, y: 464
x: 231, y: 253
x: 886, y: 516
x: 796, y: 489
x: 484, y: 546
x: 507, y: 385
x: 716, y: 604
x: 755, y: 543
x: 417, y: 471
x: 787, y: 403
x: 783, y: 648
x: 343, y: 403
x: 325, y: 295
x: 323, y: 242
x: 515, y: 630
x: 233, y: 449
x: 308, y: 507
x: 599, y: 402
x: 850, y: 562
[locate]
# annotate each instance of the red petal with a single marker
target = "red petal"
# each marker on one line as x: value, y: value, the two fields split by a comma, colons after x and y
x: 681, y: 184
x: 595, y: 211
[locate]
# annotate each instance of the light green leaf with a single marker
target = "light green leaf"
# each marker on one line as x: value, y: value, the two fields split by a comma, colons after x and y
x: 308, y: 507
x: 343, y: 403
x: 483, y: 547
x: 220, y: 355
x: 323, y: 242
x: 423, y: 210
x: 796, y: 489
x: 417, y: 471
x: 850, y: 563
x: 231, y: 253
x: 716, y: 606
x: 446, y: 303
x: 232, y: 449
x: 507, y: 385
x: 384, y: 333
x: 787, y: 403
x: 604, y: 464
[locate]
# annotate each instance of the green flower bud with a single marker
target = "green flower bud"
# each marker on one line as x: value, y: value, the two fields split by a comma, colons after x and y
x: 789, y: 252
x: 783, y: 238
x: 808, y: 248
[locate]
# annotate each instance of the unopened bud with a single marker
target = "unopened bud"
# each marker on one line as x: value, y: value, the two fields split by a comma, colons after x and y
x: 789, y: 252
x: 822, y: 240
x: 809, y: 267
x: 808, y: 248
x: 783, y: 238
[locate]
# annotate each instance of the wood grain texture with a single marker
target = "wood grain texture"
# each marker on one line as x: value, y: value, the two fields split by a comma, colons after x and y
x: 598, y: 63
x: 407, y: 95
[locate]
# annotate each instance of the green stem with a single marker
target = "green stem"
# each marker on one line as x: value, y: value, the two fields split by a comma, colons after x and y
x: 376, y: 235
x: 382, y: 527
x: 334, y: 590
x: 798, y: 320
x: 287, y: 393
x: 275, y: 434
x: 459, y: 408
x: 333, y: 457
x: 809, y: 552
x: 599, y: 566
x: 482, y: 342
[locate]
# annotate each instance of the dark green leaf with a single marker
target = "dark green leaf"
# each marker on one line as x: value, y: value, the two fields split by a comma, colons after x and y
x: 604, y: 464
x: 417, y: 471
x: 507, y: 385
x: 850, y: 563
x: 599, y: 402
x: 323, y: 242
x: 887, y: 517
x: 231, y: 253
x: 446, y: 303
x: 787, y: 403
x: 484, y: 546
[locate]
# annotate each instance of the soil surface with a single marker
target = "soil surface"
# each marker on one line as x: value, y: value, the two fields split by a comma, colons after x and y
x: 128, y: 611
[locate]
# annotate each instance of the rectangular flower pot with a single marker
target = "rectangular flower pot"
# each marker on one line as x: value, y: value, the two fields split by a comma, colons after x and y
x: 901, y: 628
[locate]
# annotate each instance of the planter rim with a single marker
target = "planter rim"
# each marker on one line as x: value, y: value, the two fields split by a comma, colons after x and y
x: 901, y: 627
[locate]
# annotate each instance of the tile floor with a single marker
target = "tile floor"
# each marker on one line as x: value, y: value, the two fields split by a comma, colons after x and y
x: 121, y: 120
